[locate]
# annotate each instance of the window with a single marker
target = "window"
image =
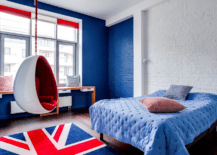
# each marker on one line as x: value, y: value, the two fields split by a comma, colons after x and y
x: 67, y: 33
x: 7, y: 51
x: 23, y: 53
x: 65, y: 57
x: 67, y: 30
x: 45, y: 29
x: 65, y: 80
x: 46, y: 54
x: 14, y: 54
x: 7, y: 68
x: 57, y: 40
x: 66, y: 70
x: 14, y: 24
x: 66, y: 67
x: 46, y: 51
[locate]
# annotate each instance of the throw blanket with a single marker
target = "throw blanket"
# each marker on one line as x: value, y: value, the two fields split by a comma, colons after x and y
x: 127, y: 120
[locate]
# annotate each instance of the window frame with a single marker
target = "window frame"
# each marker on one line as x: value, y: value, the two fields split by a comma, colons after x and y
x: 74, y: 63
x: 65, y: 57
x: 45, y: 54
x: 56, y: 52
x: 9, y: 65
x: 77, y: 44
x: 5, y: 51
x: 13, y: 36
x: 23, y: 53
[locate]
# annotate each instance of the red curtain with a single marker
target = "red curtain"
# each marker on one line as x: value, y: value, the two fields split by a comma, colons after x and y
x: 16, y: 12
x: 67, y: 23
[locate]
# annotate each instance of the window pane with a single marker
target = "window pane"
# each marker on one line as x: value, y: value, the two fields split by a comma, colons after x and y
x: 14, y: 24
x: 46, y: 47
x: 45, y: 29
x: 66, y: 33
x: 13, y: 56
x: 7, y: 51
x: 23, y: 53
x: 7, y: 68
x: 66, y: 62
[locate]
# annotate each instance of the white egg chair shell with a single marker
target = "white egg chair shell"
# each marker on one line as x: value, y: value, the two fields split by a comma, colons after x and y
x: 25, y: 92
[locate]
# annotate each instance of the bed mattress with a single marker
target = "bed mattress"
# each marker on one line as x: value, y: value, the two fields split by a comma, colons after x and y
x: 127, y: 120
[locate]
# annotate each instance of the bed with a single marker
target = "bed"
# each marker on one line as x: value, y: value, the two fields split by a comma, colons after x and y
x: 127, y: 120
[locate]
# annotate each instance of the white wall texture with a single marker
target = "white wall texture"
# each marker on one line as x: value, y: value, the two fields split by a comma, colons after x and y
x: 182, y: 45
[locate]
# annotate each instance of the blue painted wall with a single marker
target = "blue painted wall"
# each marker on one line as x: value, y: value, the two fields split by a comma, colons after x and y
x: 120, y: 59
x: 95, y: 59
x: 107, y: 60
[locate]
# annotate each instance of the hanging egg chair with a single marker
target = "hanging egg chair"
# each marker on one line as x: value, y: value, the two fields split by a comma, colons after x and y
x: 35, y: 88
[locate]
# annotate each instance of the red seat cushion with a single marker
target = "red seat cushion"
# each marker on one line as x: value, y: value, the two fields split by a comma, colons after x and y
x: 45, y: 98
x: 45, y: 74
x: 49, y: 105
x: 48, y: 86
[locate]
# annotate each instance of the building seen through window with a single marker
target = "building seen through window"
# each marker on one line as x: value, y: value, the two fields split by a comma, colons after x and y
x: 45, y: 54
x: 7, y: 68
x: 7, y: 51
x: 66, y: 61
x: 14, y: 51
x: 23, y: 53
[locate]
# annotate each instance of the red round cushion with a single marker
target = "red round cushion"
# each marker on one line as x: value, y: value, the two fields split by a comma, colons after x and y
x: 49, y: 105
x: 45, y: 98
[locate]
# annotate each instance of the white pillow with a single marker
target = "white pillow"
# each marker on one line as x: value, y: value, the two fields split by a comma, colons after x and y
x: 73, y: 81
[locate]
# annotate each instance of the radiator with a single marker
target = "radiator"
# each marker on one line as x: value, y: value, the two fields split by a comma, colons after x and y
x: 15, y: 109
x: 65, y: 101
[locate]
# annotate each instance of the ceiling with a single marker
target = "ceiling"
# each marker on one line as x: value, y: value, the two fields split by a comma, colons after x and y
x: 102, y: 9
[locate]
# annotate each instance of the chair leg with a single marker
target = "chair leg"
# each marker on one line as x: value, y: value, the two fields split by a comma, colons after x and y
x: 101, y: 136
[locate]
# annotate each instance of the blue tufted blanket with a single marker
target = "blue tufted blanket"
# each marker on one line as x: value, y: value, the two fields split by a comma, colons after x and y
x: 127, y: 120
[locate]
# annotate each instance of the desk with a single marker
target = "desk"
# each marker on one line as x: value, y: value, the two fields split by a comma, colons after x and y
x: 79, y: 88
x: 62, y: 88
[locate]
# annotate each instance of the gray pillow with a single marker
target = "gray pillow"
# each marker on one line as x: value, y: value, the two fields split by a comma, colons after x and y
x: 178, y: 92
x: 73, y: 81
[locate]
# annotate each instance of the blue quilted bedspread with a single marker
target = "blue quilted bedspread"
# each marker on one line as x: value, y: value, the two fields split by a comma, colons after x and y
x: 127, y: 120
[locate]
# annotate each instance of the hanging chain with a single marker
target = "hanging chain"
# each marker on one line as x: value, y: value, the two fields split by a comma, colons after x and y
x: 36, y: 19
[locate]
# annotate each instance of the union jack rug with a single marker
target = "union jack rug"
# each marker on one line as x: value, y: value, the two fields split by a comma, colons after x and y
x: 65, y: 139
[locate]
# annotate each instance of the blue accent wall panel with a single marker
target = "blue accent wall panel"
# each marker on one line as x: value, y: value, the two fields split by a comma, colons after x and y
x: 120, y: 59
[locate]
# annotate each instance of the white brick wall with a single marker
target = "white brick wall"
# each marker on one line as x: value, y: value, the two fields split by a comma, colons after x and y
x: 182, y: 45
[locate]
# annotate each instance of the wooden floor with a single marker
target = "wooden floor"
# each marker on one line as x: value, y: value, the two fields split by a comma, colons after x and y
x: 81, y: 117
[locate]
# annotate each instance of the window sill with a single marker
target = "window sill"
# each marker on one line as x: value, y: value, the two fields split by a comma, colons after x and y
x: 59, y: 88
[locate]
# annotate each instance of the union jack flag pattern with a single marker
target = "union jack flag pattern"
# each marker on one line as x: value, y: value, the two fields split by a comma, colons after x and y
x: 66, y: 139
